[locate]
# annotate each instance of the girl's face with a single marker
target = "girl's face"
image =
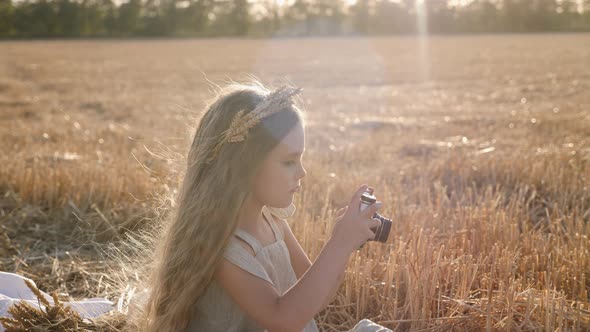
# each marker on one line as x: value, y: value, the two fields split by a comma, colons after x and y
x: 278, y: 177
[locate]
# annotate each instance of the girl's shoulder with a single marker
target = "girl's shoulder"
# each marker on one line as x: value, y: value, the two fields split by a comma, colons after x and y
x: 243, y: 257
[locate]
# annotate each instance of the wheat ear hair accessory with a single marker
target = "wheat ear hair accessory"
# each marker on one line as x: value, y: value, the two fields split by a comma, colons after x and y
x: 242, y: 121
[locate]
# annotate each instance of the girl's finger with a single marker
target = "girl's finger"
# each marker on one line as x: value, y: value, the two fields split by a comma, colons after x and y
x: 375, y: 223
x: 370, y: 211
x: 355, y: 201
x: 341, y: 211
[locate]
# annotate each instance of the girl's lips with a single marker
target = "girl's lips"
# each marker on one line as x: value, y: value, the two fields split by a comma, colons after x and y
x: 296, y: 189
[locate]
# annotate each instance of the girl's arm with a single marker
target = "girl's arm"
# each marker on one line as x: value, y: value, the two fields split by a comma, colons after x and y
x: 315, y: 288
x: 299, y: 260
x: 294, y: 309
x: 334, y: 291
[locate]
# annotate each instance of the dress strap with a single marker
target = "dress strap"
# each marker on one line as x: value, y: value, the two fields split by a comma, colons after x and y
x: 275, y: 228
x: 237, y: 255
x: 253, y: 241
x: 283, y: 213
x: 250, y: 239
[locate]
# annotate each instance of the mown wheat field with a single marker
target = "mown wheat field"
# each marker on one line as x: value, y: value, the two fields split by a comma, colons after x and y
x: 478, y: 146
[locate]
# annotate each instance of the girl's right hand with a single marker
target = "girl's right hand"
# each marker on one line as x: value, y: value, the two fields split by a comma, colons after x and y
x: 353, y: 226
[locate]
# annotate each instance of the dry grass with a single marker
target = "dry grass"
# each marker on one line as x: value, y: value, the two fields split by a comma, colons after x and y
x: 484, y: 166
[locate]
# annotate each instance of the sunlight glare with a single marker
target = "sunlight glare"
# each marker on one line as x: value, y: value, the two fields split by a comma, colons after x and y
x: 422, y: 28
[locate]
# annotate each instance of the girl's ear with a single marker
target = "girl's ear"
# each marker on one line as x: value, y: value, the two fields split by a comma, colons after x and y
x: 283, y: 213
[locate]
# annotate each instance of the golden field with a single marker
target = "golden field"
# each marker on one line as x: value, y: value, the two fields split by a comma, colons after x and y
x: 478, y: 146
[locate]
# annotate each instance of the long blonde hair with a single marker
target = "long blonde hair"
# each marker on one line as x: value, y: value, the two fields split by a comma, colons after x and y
x: 209, y: 200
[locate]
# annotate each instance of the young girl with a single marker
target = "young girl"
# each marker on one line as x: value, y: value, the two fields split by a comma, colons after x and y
x: 228, y: 260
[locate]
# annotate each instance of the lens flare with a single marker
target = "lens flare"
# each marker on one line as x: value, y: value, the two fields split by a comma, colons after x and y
x: 422, y: 28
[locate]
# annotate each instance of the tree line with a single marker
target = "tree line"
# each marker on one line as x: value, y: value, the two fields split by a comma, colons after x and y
x: 161, y: 18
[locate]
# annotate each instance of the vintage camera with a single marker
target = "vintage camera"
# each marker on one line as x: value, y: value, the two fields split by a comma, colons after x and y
x: 382, y: 231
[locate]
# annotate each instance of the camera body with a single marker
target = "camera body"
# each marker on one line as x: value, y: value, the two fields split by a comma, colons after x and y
x: 382, y: 231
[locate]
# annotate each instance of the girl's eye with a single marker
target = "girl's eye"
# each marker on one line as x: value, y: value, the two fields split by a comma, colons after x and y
x: 289, y: 163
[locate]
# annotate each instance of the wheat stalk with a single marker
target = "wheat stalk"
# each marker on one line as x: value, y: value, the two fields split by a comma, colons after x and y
x: 243, y: 121
x: 55, y: 317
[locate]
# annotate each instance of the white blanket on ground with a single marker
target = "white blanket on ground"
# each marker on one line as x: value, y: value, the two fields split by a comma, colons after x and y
x: 14, y: 289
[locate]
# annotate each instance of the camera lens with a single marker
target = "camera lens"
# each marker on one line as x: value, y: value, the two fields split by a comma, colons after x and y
x: 383, y: 230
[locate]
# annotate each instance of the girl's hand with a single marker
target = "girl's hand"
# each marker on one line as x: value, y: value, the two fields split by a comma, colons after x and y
x: 353, y: 226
